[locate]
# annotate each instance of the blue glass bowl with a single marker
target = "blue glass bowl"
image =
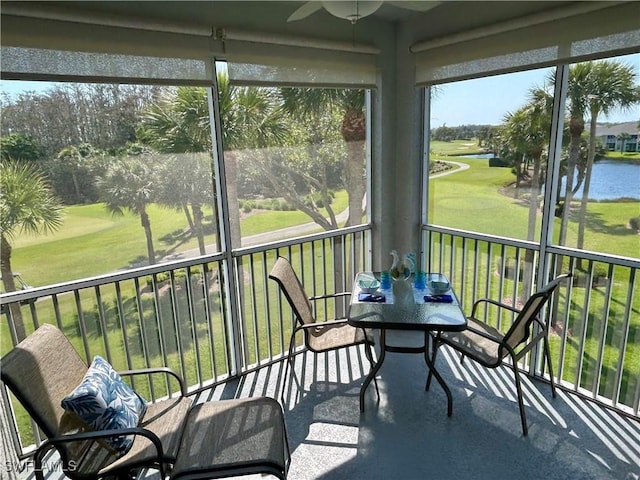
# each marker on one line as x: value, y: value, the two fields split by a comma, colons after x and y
x: 368, y: 283
x: 438, y: 283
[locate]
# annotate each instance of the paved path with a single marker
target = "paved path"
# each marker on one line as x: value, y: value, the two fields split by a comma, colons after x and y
x: 461, y: 167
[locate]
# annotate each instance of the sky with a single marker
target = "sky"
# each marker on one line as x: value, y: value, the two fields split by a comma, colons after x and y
x: 483, y: 101
x: 486, y: 100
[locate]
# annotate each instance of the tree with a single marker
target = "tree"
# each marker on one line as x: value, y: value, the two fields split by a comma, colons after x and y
x: 250, y: 117
x: 27, y: 205
x: 18, y: 146
x: 610, y: 85
x: 594, y: 87
x: 72, y: 175
x: 350, y: 103
x: 178, y: 124
x: 527, y: 131
x: 131, y: 184
x: 185, y: 179
x: 310, y: 102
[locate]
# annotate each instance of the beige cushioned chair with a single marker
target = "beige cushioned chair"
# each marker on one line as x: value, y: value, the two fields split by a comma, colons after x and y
x: 44, y: 368
x: 490, y: 347
x: 318, y: 336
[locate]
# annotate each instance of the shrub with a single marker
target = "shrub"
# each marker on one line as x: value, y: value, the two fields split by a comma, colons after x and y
x: 498, y: 162
x: 634, y: 223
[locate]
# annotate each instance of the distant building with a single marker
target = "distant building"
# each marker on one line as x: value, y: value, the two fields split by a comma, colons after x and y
x: 622, y: 137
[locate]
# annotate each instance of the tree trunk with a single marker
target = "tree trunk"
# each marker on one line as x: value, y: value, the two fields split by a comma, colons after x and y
x: 76, y: 185
x: 187, y: 213
x: 576, y: 127
x: 197, y: 219
x: 356, y: 184
x: 354, y: 133
x: 587, y: 181
x: 527, y: 280
x: 10, y: 286
x: 231, y: 170
x: 146, y: 224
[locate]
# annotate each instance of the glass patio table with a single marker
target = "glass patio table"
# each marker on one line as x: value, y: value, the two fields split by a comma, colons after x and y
x: 404, y: 308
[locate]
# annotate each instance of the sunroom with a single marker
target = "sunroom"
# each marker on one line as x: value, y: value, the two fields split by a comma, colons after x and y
x: 186, y: 145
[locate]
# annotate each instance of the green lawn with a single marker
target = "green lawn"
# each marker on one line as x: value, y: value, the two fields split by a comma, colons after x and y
x: 455, y: 147
x: 93, y: 242
x: 468, y: 200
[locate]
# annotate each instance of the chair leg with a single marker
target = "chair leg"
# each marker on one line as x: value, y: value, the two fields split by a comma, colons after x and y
x: 547, y: 353
x: 286, y: 369
x: 523, y: 418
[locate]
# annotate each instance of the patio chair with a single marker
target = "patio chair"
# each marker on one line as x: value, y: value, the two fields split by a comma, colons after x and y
x: 490, y: 347
x: 318, y: 336
x: 44, y: 368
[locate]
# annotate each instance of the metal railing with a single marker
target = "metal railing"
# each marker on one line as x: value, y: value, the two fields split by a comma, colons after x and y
x: 594, y: 320
x: 177, y: 314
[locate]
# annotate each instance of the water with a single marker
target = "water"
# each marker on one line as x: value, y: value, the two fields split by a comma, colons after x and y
x: 477, y: 155
x: 610, y: 180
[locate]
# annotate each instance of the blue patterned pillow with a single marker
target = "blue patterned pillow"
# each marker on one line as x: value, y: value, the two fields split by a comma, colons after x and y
x: 104, y: 401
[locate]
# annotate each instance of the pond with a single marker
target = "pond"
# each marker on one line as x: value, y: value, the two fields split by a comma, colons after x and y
x: 610, y: 179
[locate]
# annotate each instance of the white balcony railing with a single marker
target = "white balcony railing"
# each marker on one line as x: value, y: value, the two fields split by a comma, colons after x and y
x: 181, y: 315
x: 595, y: 321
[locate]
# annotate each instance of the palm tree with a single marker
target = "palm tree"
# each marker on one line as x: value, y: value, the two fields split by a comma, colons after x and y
x: 589, y: 88
x: 610, y: 85
x: 185, y: 179
x: 252, y: 118
x: 27, y: 205
x: 130, y: 184
x: 179, y: 124
x: 527, y: 132
x: 306, y: 102
x: 576, y: 94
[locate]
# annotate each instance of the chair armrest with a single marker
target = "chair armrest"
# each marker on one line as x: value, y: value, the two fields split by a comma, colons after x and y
x: 493, y: 302
x: 323, y: 324
x: 70, y: 465
x: 330, y: 295
x: 153, y: 370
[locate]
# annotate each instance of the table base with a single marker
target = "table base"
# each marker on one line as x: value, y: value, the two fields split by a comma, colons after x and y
x: 427, y: 358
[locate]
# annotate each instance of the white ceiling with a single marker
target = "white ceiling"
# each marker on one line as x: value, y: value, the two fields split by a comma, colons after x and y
x: 448, y: 17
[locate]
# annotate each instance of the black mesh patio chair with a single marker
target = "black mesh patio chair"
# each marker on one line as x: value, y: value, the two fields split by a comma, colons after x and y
x: 490, y: 347
x: 318, y: 336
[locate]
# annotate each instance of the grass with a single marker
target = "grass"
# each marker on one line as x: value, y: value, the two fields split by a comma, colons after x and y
x: 267, y: 221
x: 455, y: 147
x: 626, y: 156
x: 92, y: 242
x: 468, y: 200
x: 115, y: 243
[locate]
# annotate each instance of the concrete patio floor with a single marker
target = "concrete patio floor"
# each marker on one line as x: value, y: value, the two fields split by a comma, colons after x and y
x: 407, y: 434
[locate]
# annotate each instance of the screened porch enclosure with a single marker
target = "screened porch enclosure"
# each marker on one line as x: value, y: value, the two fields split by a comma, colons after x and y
x: 189, y: 145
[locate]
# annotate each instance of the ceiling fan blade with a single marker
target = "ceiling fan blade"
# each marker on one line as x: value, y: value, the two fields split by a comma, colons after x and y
x: 416, y: 6
x: 304, y: 11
